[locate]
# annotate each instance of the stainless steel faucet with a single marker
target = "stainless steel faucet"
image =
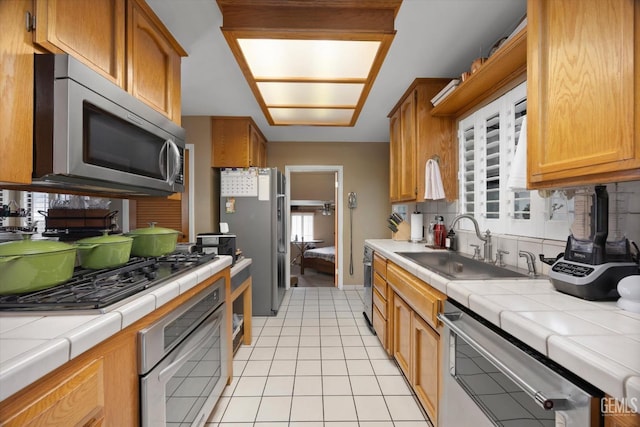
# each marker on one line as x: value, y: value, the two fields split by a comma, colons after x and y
x: 486, y: 238
x: 531, y: 262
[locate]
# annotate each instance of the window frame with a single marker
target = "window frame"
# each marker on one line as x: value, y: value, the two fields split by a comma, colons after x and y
x: 303, y: 215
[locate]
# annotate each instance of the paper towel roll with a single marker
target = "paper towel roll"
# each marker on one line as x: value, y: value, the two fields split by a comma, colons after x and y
x: 416, y: 227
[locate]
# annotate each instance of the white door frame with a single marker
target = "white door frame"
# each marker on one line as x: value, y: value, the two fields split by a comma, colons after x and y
x: 339, y: 241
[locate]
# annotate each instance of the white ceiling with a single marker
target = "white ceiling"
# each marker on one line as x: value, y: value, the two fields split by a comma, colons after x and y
x: 435, y: 38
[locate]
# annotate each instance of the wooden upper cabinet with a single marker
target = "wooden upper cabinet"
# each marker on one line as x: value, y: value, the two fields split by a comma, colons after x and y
x: 583, y: 92
x: 237, y: 143
x: 415, y: 137
x: 153, y: 61
x: 16, y: 87
x: 91, y: 31
x: 257, y: 148
x: 406, y: 173
x: 394, y: 156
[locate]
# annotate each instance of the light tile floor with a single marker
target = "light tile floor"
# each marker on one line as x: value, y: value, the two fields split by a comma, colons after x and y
x: 316, y: 364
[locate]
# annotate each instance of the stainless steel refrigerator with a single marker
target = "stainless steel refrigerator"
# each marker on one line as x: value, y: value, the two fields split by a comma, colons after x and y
x: 252, y: 203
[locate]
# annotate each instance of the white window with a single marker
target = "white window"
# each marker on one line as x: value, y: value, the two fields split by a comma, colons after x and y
x: 301, y: 226
x: 488, y: 139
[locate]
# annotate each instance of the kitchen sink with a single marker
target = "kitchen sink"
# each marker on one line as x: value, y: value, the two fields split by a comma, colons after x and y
x: 459, y: 267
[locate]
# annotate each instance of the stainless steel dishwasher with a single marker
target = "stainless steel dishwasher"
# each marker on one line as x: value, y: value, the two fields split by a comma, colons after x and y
x: 491, y: 379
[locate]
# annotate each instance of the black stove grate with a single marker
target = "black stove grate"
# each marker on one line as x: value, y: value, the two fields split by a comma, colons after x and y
x: 96, y: 289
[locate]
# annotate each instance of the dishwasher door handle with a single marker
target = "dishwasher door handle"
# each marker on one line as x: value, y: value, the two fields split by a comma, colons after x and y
x: 547, y: 401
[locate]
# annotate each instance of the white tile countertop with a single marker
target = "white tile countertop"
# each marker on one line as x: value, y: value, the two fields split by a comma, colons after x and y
x: 597, y: 341
x: 34, y: 344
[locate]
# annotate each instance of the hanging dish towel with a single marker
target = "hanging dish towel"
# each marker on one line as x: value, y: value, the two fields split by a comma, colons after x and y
x: 518, y: 173
x: 434, y: 189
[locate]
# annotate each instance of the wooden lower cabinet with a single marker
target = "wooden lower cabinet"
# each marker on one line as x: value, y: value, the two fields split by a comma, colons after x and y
x: 77, y: 400
x: 402, y: 314
x: 380, y: 326
x: 425, y: 365
x: 414, y: 336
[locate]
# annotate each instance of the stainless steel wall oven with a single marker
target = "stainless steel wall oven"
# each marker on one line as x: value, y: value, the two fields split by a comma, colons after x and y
x: 492, y: 379
x: 183, y: 361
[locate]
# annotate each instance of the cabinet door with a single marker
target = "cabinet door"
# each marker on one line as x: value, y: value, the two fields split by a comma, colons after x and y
x: 402, y: 334
x: 425, y: 366
x: 152, y: 61
x: 16, y: 87
x: 380, y: 326
x: 91, y: 31
x: 77, y: 401
x: 435, y: 138
x: 407, y: 164
x: 581, y: 88
x: 394, y: 157
x: 257, y: 148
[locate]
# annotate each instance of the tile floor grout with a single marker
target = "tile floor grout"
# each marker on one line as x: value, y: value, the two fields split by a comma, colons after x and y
x: 305, y: 363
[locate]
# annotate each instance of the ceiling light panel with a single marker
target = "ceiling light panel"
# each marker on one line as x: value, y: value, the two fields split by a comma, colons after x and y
x: 281, y: 94
x: 309, y: 59
x: 316, y: 116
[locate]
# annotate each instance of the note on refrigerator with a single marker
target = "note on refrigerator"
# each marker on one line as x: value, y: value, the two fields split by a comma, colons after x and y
x: 263, y: 187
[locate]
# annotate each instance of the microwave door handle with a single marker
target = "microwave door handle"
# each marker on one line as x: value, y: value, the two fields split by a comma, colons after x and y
x: 163, y: 160
x: 173, y: 161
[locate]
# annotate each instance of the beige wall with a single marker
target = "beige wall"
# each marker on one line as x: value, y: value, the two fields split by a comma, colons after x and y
x: 365, y: 171
x: 206, y: 210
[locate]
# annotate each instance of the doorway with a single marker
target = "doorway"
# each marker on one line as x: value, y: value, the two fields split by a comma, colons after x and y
x: 323, y: 204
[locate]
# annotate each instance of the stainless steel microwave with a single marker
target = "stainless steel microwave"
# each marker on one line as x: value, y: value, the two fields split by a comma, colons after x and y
x: 91, y: 135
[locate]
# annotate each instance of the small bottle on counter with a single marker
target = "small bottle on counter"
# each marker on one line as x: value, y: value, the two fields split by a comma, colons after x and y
x: 432, y: 225
x: 439, y: 233
x: 450, y: 241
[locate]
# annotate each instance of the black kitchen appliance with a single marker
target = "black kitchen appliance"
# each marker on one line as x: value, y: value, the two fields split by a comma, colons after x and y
x: 591, y: 268
x: 217, y: 243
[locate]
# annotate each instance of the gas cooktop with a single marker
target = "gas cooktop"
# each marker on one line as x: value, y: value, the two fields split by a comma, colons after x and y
x: 99, y: 289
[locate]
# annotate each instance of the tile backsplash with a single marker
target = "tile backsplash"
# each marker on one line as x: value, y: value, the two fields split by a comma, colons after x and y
x: 629, y: 225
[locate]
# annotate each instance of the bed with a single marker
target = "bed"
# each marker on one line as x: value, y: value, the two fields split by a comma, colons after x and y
x: 322, y: 260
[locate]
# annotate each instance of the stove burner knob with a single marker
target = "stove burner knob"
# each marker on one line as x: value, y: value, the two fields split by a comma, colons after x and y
x: 151, y: 275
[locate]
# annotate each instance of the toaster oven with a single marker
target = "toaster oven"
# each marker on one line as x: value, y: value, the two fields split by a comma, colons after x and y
x: 216, y: 243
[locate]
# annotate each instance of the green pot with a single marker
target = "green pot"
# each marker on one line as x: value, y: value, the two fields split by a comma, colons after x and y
x: 153, y: 241
x: 104, y: 251
x: 30, y: 265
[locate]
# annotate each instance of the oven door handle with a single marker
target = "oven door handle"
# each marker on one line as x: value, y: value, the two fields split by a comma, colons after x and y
x: 547, y: 401
x: 190, y: 345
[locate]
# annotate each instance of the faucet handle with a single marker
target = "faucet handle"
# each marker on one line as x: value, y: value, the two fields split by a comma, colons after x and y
x: 531, y: 262
x: 500, y: 260
x: 476, y: 251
